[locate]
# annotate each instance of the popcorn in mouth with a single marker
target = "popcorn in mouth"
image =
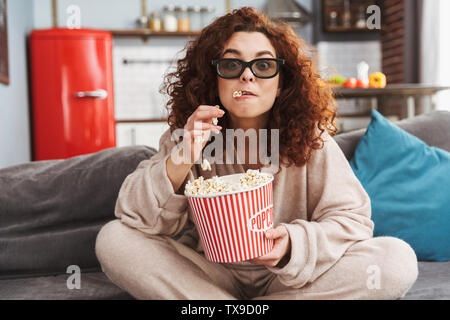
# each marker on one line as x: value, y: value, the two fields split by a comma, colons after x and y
x: 237, y: 94
x: 214, y: 185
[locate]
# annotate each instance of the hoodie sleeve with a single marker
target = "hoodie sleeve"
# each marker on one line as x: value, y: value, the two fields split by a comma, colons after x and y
x: 147, y: 200
x: 339, y: 213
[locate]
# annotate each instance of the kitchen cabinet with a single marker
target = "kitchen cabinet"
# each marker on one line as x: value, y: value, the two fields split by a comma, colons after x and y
x: 141, y: 116
x: 346, y: 15
x: 140, y: 133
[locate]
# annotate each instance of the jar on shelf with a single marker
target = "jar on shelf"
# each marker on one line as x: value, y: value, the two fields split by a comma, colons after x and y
x: 155, y: 24
x: 333, y: 19
x: 361, y: 20
x: 194, y: 18
x: 170, y: 22
x: 142, y: 22
x: 183, y: 18
x: 347, y: 16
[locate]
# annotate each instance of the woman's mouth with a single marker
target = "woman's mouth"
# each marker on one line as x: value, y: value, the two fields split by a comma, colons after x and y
x: 243, y: 94
x: 237, y: 94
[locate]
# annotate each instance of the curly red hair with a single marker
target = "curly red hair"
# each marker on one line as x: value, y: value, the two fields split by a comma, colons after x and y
x: 305, y: 107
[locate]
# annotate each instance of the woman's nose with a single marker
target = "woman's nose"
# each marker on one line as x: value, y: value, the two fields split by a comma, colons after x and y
x: 247, y: 75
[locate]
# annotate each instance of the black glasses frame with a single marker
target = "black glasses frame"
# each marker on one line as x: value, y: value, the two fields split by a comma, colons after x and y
x: 244, y: 65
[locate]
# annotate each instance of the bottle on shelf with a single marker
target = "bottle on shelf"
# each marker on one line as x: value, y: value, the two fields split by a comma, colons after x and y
x: 333, y: 19
x: 361, y: 20
x: 142, y: 22
x: 347, y: 16
x: 183, y: 18
x: 363, y: 73
x: 155, y: 24
x: 170, y: 22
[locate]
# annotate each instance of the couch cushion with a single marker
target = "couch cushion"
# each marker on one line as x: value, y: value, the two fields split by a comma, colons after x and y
x: 93, y: 286
x: 408, y: 183
x: 433, y: 128
x: 433, y: 282
x: 51, y: 211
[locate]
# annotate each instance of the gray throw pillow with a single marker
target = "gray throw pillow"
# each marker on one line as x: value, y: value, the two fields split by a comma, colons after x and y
x: 433, y: 128
x: 51, y: 211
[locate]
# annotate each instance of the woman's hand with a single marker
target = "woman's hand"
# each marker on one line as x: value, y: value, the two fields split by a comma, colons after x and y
x: 280, y: 254
x: 198, y: 129
x: 181, y: 159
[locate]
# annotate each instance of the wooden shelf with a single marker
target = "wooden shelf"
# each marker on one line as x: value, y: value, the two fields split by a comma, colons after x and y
x: 146, y: 33
x: 350, y: 29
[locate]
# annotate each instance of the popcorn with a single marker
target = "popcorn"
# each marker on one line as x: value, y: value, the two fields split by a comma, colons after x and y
x: 249, y: 180
x: 253, y: 178
x: 237, y: 94
x: 206, y: 165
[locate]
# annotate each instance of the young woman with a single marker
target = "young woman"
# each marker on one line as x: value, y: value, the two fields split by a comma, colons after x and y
x: 323, y: 244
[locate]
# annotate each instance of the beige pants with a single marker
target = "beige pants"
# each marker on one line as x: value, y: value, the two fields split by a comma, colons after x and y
x: 155, y: 267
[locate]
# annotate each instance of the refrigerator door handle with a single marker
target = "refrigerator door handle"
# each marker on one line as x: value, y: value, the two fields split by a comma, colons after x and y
x: 98, y: 94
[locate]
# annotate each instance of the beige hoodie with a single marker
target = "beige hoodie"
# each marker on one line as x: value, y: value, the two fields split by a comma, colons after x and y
x: 322, y: 204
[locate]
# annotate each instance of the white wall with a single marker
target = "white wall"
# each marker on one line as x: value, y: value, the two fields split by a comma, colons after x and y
x: 435, y: 49
x: 15, y: 144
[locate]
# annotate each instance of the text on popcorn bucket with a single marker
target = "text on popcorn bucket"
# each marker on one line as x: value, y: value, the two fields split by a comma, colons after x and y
x: 262, y: 220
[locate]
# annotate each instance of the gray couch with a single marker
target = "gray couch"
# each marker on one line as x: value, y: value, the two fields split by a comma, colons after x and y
x: 51, y: 212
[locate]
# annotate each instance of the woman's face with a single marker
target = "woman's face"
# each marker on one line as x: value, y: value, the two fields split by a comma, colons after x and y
x: 247, y: 46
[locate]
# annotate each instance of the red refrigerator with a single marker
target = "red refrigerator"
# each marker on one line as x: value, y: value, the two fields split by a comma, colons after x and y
x: 72, y: 92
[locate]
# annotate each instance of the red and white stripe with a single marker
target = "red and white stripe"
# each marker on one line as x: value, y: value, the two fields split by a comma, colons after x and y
x: 223, y: 224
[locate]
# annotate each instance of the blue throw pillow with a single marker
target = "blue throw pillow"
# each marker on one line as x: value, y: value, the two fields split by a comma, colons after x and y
x: 409, y: 186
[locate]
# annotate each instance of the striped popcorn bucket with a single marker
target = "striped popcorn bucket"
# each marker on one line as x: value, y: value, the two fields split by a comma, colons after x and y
x: 232, y: 225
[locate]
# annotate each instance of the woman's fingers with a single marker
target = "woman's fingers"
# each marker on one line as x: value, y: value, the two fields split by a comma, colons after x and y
x: 198, y: 129
x: 272, y: 258
x: 191, y: 134
x: 200, y: 125
x: 276, y: 232
x: 194, y: 133
x: 205, y: 115
x: 281, y: 247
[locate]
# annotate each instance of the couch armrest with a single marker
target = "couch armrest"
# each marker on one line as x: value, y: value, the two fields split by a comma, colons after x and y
x: 51, y: 211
